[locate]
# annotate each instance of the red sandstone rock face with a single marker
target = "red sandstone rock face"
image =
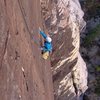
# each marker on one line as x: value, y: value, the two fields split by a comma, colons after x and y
x: 24, y: 75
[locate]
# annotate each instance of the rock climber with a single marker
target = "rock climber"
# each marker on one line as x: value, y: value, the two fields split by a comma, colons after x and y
x: 47, y: 48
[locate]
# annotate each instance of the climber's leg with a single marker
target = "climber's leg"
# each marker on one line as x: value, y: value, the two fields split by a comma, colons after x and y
x: 43, y: 34
x: 43, y: 50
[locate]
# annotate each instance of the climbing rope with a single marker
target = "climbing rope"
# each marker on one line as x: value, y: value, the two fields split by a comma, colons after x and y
x: 23, y: 14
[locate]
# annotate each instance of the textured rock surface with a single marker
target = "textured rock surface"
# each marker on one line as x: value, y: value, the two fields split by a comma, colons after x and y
x: 24, y: 75
x: 69, y: 70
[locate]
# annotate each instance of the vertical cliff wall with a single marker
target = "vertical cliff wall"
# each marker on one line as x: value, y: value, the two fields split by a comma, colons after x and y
x: 64, y: 20
x: 24, y: 75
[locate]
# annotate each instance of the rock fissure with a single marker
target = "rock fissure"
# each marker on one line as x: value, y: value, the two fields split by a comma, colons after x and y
x: 5, y: 47
x: 26, y: 82
x: 17, y: 56
x: 75, y: 85
x: 5, y: 2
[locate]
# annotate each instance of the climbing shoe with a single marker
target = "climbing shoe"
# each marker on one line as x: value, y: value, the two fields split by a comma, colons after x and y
x: 45, y: 55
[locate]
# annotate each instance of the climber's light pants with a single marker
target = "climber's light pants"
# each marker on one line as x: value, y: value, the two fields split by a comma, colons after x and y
x: 45, y: 55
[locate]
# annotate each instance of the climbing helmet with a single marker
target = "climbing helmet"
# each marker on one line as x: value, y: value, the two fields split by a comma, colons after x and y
x: 48, y: 39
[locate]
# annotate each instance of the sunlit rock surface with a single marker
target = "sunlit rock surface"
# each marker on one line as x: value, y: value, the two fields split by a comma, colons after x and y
x: 64, y: 22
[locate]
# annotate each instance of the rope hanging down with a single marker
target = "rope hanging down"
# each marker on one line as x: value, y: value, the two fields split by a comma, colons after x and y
x: 23, y: 14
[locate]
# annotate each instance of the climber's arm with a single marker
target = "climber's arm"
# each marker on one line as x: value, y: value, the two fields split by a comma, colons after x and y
x: 43, y: 34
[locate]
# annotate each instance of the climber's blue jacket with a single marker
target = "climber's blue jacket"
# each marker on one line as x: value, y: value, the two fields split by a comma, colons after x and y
x: 47, y: 45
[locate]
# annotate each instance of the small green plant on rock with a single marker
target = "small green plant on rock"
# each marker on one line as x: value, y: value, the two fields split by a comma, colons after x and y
x: 97, y: 88
x: 93, y: 7
x: 92, y: 35
x: 98, y: 68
